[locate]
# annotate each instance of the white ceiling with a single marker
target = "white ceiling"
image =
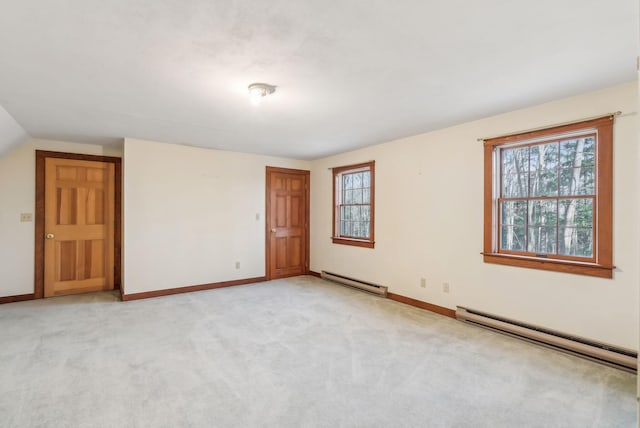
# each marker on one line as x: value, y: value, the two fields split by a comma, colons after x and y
x: 349, y: 73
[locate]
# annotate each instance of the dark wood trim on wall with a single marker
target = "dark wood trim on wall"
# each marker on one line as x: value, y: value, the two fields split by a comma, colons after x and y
x: 191, y: 288
x: 316, y: 274
x: 117, y: 228
x: 422, y: 305
x: 18, y: 298
x: 38, y: 287
x: 41, y: 155
x: 307, y: 219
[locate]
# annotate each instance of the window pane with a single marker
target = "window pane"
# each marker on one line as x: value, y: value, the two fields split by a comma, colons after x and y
x: 366, y: 179
x: 345, y: 213
x: 355, y: 213
x: 515, y: 161
x: 514, y: 212
x: 544, y: 183
x: 357, y: 196
x: 574, y: 241
x: 576, y: 212
x: 347, y: 182
x: 357, y: 181
x: 544, y: 157
x: 354, y: 229
x: 366, y: 196
x: 351, y: 213
x: 577, y: 181
x: 589, y: 151
x: 543, y: 212
x: 577, y: 152
x: 515, y: 185
x: 363, y: 230
x: 512, y: 238
x: 348, y: 197
x: 542, y: 240
x: 365, y: 213
x: 367, y: 229
x: 343, y: 228
x: 515, y: 180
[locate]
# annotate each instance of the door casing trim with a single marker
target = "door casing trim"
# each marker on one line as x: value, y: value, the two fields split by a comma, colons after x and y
x: 267, y: 216
x: 41, y: 155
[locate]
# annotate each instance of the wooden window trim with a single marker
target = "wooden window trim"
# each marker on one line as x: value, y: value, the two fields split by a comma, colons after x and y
x: 602, y: 266
x: 356, y: 242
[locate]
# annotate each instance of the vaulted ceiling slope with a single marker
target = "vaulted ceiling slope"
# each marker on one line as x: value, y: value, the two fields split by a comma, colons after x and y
x: 11, y: 133
x: 348, y: 74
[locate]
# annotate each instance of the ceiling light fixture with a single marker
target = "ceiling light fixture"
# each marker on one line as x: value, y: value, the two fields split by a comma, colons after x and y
x: 259, y: 90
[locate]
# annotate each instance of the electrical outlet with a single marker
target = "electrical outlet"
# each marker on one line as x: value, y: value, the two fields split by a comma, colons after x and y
x: 423, y: 282
x: 445, y: 287
x: 24, y: 217
x: 237, y: 265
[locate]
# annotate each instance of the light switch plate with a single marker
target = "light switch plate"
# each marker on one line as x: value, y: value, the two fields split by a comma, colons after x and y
x: 24, y: 217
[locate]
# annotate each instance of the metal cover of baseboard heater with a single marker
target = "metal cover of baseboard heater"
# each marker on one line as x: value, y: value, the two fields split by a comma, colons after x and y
x: 377, y: 289
x: 613, y: 356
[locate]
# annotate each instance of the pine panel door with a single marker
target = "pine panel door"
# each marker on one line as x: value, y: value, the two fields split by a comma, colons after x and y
x: 79, y: 226
x: 288, y: 223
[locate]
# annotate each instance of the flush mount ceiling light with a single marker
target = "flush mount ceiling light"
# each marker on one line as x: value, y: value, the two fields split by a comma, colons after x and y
x: 259, y: 90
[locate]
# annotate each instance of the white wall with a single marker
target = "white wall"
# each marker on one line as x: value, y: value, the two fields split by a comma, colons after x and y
x: 17, y: 195
x: 11, y: 133
x: 429, y: 223
x: 190, y: 214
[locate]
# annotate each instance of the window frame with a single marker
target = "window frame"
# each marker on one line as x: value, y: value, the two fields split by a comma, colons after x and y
x: 338, y: 172
x: 601, y: 265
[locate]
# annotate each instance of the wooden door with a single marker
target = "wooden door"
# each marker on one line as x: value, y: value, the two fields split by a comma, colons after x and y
x: 78, y: 226
x: 287, y: 222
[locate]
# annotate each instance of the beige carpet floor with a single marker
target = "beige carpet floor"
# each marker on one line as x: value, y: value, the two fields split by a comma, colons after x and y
x: 299, y: 352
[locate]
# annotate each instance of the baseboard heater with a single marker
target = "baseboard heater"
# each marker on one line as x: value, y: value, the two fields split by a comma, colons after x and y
x: 380, y: 290
x: 610, y: 355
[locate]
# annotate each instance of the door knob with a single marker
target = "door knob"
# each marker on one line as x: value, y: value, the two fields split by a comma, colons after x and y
x: 273, y: 230
x: 50, y: 236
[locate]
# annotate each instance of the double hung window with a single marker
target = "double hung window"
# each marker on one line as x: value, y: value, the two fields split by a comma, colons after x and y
x: 353, y: 197
x: 548, y: 198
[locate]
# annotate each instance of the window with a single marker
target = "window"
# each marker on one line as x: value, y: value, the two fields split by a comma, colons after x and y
x: 353, y: 196
x: 548, y: 199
